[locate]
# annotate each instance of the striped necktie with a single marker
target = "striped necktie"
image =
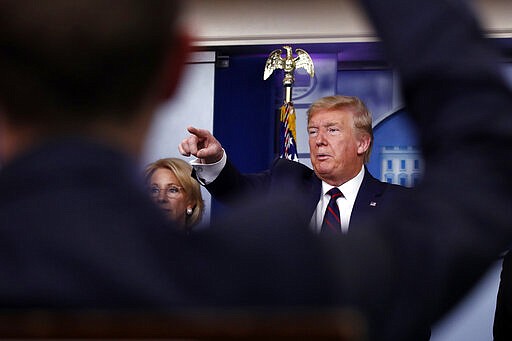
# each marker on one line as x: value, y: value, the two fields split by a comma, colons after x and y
x: 331, y: 223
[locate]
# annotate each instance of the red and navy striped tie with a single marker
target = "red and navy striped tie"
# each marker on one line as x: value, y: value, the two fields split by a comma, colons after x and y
x: 331, y: 223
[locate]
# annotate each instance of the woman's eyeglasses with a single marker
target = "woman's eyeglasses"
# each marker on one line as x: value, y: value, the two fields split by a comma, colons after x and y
x: 170, y: 192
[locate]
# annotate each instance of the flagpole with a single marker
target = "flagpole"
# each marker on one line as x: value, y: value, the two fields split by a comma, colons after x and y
x: 288, y: 94
x: 288, y: 148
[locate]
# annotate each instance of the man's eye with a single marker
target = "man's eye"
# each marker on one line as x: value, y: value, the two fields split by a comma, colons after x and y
x: 312, y: 131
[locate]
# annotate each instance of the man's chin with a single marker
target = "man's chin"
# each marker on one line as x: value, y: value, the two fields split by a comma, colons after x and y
x: 322, y: 173
x: 322, y: 168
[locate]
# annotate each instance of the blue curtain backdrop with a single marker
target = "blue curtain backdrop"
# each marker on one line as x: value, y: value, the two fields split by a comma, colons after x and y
x: 244, y: 115
x: 244, y: 112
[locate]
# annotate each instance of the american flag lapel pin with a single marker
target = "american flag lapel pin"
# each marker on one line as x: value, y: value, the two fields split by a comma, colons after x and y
x: 373, y: 203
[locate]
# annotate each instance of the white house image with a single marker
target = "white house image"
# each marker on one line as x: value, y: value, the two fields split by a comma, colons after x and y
x: 402, y: 165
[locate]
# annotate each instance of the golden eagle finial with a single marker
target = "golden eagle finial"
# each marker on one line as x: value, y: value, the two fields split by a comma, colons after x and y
x: 288, y: 63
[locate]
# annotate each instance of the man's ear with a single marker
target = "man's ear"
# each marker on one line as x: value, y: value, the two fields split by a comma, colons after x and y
x: 174, y: 65
x: 363, y: 143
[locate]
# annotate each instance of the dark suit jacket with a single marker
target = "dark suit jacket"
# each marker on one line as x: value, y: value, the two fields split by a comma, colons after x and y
x: 285, y: 175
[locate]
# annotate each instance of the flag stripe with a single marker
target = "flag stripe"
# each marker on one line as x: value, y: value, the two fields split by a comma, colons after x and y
x: 288, y: 145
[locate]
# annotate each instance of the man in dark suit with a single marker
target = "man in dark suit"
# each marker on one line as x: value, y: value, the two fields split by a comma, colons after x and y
x: 340, y: 141
x: 79, y: 83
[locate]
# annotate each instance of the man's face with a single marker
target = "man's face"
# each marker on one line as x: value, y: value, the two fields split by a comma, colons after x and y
x: 336, y: 148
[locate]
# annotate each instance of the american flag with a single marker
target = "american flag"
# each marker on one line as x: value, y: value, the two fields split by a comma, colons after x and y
x: 288, y: 134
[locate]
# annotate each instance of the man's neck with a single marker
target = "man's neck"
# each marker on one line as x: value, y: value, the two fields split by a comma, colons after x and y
x: 357, y: 178
x: 338, y: 182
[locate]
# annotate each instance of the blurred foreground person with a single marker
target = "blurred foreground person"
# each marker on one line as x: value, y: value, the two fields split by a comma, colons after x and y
x: 80, y: 82
x: 175, y: 191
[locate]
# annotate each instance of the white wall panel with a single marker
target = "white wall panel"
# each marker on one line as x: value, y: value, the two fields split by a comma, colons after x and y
x: 193, y: 105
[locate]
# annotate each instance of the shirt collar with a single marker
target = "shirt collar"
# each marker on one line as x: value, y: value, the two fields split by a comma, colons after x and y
x: 349, y: 188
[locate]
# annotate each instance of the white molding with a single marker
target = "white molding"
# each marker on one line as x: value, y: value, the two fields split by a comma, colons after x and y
x: 265, y: 22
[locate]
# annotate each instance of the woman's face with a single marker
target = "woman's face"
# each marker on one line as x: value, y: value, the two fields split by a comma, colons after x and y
x: 167, y: 193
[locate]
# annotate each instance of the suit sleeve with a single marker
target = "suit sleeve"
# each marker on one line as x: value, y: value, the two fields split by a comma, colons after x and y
x: 231, y: 185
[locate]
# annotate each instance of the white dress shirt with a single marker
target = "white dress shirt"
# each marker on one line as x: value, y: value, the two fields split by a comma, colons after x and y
x: 345, y: 202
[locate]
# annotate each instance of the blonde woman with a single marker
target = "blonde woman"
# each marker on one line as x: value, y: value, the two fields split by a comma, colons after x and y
x: 173, y: 189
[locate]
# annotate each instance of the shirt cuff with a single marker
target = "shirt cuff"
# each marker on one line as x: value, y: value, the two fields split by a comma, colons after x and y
x: 207, y: 172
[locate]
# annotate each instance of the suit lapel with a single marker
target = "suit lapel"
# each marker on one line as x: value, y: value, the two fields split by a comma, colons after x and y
x: 368, y: 198
x: 314, y: 192
x: 298, y: 177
